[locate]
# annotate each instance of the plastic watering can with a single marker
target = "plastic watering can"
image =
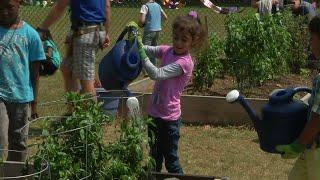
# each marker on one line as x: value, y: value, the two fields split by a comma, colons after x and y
x: 283, y: 117
x: 122, y: 64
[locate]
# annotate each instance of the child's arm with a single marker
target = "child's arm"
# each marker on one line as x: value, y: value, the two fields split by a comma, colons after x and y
x: 153, y: 51
x: 142, y: 16
x: 163, y: 15
x: 48, y: 52
x: 34, y: 75
x: 306, y: 137
x: 310, y: 130
x: 166, y: 72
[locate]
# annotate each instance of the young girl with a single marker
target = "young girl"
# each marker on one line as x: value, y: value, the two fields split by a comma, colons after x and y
x: 47, y: 67
x: 171, y: 78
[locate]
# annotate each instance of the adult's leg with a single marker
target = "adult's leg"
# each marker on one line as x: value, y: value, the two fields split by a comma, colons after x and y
x: 70, y: 83
x: 19, y: 114
x: 84, y: 53
x: 4, y: 124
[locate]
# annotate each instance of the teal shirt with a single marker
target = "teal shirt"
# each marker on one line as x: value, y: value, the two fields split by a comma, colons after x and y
x: 18, y: 48
x: 55, y: 56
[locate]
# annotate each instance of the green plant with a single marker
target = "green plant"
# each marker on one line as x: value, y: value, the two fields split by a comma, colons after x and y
x: 127, y: 156
x: 208, y: 64
x: 257, y: 49
x: 75, y: 149
x: 297, y: 26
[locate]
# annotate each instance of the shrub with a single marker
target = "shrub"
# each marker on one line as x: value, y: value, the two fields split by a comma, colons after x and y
x: 208, y: 65
x: 75, y: 149
x: 297, y: 26
x: 256, y: 49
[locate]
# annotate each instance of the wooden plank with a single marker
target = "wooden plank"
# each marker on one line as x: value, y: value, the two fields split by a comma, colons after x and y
x: 212, y: 110
x: 206, y: 109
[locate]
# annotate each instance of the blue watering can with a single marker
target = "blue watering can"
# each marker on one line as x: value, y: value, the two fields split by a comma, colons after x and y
x: 283, y: 117
x: 117, y: 69
x: 122, y: 64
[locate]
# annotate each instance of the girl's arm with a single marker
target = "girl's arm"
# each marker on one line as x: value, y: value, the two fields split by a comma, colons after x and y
x: 166, y: 72
x: 152, y: 51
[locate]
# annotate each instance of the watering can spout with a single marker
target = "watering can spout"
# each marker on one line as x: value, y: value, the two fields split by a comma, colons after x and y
x: 235, y: 96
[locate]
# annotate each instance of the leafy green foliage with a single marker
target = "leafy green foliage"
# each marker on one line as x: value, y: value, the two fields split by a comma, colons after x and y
x: 208, y: 64
x: 128, y: 154
x: 257, y: 49
x: 297, y: 26
x: 75, y: 149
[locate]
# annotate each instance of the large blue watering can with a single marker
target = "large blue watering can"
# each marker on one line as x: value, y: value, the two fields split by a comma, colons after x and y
x: 283, y: 117
x: 122, y: 64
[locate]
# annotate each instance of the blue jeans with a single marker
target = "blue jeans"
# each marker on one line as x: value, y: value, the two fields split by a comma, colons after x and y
x: 14, y: 130
x: 166, y: 136
x: 151, y: 38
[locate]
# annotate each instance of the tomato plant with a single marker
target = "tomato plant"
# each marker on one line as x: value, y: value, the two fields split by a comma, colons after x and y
x: 297, y: 26
x: 256, y: 49
x: 208, y: 64
x: 75, y: 149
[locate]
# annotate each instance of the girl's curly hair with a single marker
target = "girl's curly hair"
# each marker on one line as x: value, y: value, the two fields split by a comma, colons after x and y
x: 192, y: 24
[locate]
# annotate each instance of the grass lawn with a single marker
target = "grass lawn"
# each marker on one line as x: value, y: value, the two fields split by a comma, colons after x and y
x: 204, y: 150
x: 228, y: 151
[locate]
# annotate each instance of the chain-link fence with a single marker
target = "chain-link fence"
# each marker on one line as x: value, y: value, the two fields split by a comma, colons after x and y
x: 121, y: 13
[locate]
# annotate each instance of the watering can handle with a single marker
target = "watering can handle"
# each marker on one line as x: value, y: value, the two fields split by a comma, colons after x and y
x: 286, y: 95
x: 123, y: 33
x: 302, y: 89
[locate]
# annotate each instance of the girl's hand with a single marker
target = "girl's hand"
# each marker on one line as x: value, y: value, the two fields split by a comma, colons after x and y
x: 132, y: 24
x: 142, y: 52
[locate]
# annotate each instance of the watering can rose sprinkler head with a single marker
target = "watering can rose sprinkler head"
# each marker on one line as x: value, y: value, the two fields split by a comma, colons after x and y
x: 232, y: 96
x: 133, y: 106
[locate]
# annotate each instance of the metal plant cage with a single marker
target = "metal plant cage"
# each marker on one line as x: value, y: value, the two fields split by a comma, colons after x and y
x: 55, y: 132
x: 113, y: 104
x: 21, y: 170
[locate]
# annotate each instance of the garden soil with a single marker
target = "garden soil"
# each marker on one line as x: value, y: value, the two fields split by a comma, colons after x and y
x: 222, y: 86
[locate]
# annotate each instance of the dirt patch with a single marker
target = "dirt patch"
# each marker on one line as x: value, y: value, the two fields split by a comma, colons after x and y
x: 222, y: 86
